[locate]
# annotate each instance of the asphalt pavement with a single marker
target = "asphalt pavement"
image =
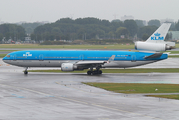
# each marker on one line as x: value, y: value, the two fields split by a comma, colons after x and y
x: 62, y: 96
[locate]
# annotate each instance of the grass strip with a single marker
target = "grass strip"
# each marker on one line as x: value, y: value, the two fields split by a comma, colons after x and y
x: 2, y: 55
x: 8, y: 50
x: 134, y: 88
x: 133, y: 70
x: 137, y: 87
x: 173, y: 56
x: 173, y: 52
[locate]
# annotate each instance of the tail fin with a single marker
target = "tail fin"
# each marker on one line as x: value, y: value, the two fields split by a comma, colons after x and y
x: 159, y: 35
x: 156, y: 41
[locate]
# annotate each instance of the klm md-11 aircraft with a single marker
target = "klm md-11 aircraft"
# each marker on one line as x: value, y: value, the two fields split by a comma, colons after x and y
x: 70, y: 60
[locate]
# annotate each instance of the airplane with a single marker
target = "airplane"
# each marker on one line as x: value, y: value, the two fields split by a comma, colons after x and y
x: 71, y: 60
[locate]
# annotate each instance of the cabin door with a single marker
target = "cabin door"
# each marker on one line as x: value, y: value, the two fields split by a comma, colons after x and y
x: 133, y: 58
x: 40, y: 57
x: 81, y: 57
x: 14, y: 57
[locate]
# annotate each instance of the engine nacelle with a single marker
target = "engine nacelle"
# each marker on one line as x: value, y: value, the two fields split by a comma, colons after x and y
x: 67, y: 67
x: 148, y: 46
x: 70, y: 67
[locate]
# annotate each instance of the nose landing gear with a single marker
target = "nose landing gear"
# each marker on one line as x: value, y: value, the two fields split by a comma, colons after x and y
x: 25, y: 71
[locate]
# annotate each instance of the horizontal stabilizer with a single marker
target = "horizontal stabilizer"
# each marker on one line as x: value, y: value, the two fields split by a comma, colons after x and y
x: 155, y: 55
x: 170, y: 44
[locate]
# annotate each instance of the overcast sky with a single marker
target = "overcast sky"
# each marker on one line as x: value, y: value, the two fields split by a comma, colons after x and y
x: 51, y: 10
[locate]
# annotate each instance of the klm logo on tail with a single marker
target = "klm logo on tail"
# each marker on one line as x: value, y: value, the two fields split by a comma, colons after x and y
x: 157, y: 37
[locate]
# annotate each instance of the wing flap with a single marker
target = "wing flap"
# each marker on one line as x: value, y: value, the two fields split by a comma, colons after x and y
x: 95, y: 62
x: 90, y: 62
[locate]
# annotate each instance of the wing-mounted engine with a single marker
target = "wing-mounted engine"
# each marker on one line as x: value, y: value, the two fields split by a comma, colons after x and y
x: 70, y: 67
x: 149, y: 46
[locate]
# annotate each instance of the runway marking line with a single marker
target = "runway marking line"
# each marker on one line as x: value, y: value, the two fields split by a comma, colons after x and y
x: 101, y: 106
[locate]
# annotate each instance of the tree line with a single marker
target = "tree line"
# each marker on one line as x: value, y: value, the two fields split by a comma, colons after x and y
x: 12, y: 31
x: 82, y: 29
x: 93, y: 28
x: 29, y: 27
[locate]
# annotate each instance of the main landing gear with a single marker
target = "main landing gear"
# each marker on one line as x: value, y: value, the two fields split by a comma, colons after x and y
x: 25, y: 71
x: 95, y: 72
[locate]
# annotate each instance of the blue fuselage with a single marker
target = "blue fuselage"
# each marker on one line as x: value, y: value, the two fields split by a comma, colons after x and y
x: 43, y: 58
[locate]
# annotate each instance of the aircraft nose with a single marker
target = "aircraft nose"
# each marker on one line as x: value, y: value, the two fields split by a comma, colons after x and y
x: 4, y: 59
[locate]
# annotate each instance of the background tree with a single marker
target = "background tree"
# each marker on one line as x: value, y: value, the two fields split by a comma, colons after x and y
x: 81, y: 28
x: 168, y: 36
x: 111, y: 35
x: 139, y: 23
x: 177, y: 26
x: 145, y: 36
x: 154, y: 23
x: 131, y: 26
x: 146, y: 31
x: 12, y: 31
x: 93, y: 28
x: 122, y: 31
x: 172, y: 27
x: 29, y: 27
x: 1, y: 37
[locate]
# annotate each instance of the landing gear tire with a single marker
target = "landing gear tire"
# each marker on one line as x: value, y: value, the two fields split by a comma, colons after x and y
x: 25, y: 72
x: 100, y: 72
x: 89, y: 72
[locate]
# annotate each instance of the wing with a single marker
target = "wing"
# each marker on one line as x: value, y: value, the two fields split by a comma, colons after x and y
x: 94, y: 63
x: 90, y: 62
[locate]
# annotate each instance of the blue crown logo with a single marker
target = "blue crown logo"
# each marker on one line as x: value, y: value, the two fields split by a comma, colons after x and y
x: 157, y: 34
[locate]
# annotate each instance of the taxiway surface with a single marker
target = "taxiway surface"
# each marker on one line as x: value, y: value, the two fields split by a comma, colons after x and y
x: 54, y: 96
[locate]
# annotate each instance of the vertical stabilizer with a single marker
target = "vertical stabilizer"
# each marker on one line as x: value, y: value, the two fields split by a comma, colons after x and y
x: 156, y: 41
x: 159, y: 35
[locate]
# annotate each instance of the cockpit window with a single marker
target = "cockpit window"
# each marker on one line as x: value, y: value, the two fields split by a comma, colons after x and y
x: 7, y: 55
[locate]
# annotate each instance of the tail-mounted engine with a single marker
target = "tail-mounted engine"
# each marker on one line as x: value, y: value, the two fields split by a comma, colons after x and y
x: 149, y: 46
